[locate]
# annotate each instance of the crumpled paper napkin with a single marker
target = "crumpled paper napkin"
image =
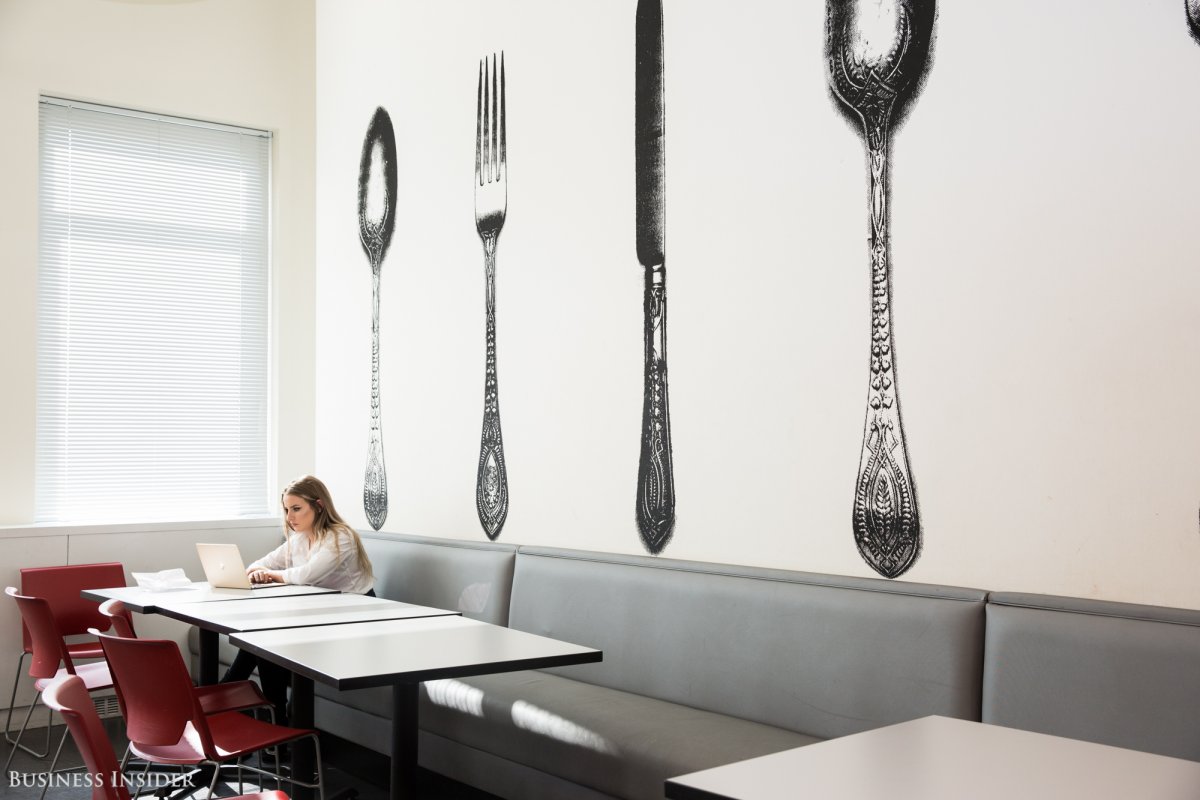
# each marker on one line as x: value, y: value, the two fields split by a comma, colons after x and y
x: 163, y: 580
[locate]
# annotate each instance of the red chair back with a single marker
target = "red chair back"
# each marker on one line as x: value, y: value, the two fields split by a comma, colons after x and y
x: 155, y: 691
x: 46, y: 642
x: 69, y: 697
x: 61, y: 587
x: 122, y: 622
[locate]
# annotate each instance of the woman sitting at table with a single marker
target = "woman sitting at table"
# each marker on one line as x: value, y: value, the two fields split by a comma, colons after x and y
x: 319, y: 549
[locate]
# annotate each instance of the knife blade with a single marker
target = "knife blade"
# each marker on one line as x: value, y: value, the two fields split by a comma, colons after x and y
x: 650, y: 142
x: 656, y: 481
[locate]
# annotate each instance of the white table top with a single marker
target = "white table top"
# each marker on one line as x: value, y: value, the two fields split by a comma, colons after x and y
x: 145, y: 601
x: 357, y: 655
x: 293, y: 611
x: 937, y: 758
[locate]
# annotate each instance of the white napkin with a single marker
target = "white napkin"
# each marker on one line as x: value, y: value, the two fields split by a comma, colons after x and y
x: 162, y: 581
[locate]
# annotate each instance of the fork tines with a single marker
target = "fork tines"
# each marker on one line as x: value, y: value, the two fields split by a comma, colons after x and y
x: 489, y: 122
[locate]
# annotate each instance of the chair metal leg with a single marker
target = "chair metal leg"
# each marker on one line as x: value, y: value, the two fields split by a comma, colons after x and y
x: 54, y: 763
x: 320, y: 767
x: 212, y: 786
x: 21, y: 733
x: 12, y: 701
x: 142, y: 782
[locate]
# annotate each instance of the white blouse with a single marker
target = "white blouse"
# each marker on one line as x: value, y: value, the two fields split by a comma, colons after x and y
x: 322, y: 565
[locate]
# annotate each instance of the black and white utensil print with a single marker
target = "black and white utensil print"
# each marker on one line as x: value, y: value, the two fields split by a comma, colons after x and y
x: 878, y: 53
x: 656, y: 478
x: 491, y: 206
x: 376, y: 220
x: 1193, y: 15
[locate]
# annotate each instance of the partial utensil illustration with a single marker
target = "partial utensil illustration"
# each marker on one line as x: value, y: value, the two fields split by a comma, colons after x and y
x: 491, y: 205
x: 1193, y: 14
x: 656, y: 479
x: 376, y: 220
x: 878, y: 53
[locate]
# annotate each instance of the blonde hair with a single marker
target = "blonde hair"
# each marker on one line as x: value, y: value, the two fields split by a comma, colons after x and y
x: 327, y: 522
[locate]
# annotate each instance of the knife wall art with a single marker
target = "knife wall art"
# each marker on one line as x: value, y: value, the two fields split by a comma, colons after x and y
x: 878, y: 53
x: 656, y: 478
x: 376, y: 220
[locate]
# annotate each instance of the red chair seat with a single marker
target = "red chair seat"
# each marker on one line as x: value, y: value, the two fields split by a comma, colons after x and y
x: 236, y: 696
x: 95, y: 677
x: 233, y: 735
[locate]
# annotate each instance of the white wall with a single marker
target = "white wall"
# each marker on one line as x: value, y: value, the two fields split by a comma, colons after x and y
x: 242, y: 63
x: 1045, y: 270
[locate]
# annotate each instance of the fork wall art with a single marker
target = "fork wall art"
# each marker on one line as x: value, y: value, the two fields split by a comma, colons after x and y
x: 376, y: 219
x: 878, y: 53
x: 491, y: 206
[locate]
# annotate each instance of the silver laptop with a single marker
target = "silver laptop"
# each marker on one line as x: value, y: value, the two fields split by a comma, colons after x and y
x: 224, y: 568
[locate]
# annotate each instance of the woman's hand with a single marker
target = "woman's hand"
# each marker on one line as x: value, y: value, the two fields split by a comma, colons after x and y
x: 260, y: 575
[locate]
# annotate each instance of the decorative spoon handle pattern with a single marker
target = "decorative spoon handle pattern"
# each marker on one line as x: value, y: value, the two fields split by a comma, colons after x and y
x: 887, y: 527
x: 375, y: 491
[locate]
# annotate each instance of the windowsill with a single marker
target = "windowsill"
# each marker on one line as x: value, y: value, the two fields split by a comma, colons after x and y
x: 64, y: 529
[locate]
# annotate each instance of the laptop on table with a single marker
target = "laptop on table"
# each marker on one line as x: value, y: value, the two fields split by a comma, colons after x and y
x: 224, y: 568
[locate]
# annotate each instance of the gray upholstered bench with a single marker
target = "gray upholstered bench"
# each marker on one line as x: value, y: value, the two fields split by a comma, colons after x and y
x: 703, y: 664
x: 707, y: 663
x: 1115, y: 673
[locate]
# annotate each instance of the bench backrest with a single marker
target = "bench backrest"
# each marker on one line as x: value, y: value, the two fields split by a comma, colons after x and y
x: 1115, y: 673
x: 819, y: 654
x: 472, y: 577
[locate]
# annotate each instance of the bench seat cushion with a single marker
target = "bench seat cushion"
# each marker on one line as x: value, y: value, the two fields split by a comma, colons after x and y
x: 618, y: 743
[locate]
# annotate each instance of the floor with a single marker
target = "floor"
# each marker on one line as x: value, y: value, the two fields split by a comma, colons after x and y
x: 347, y: 767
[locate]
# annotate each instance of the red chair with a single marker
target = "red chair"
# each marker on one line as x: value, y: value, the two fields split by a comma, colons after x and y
x: 214, y: 699
x: 69, y: 697
x: 61, y: 588
x: 51, y: 659
x: 166, y: 724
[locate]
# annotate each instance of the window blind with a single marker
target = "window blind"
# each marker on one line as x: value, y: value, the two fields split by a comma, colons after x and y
x: 152, y: 391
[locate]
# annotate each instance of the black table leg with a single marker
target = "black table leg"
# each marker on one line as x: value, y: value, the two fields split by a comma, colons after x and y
x: 210, y: 643
x: 405, y: 697
x: 303, y: 753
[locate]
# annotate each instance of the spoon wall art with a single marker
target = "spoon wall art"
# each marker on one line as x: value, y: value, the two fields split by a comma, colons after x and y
x: 376, y: 219
x: 878, y: 53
